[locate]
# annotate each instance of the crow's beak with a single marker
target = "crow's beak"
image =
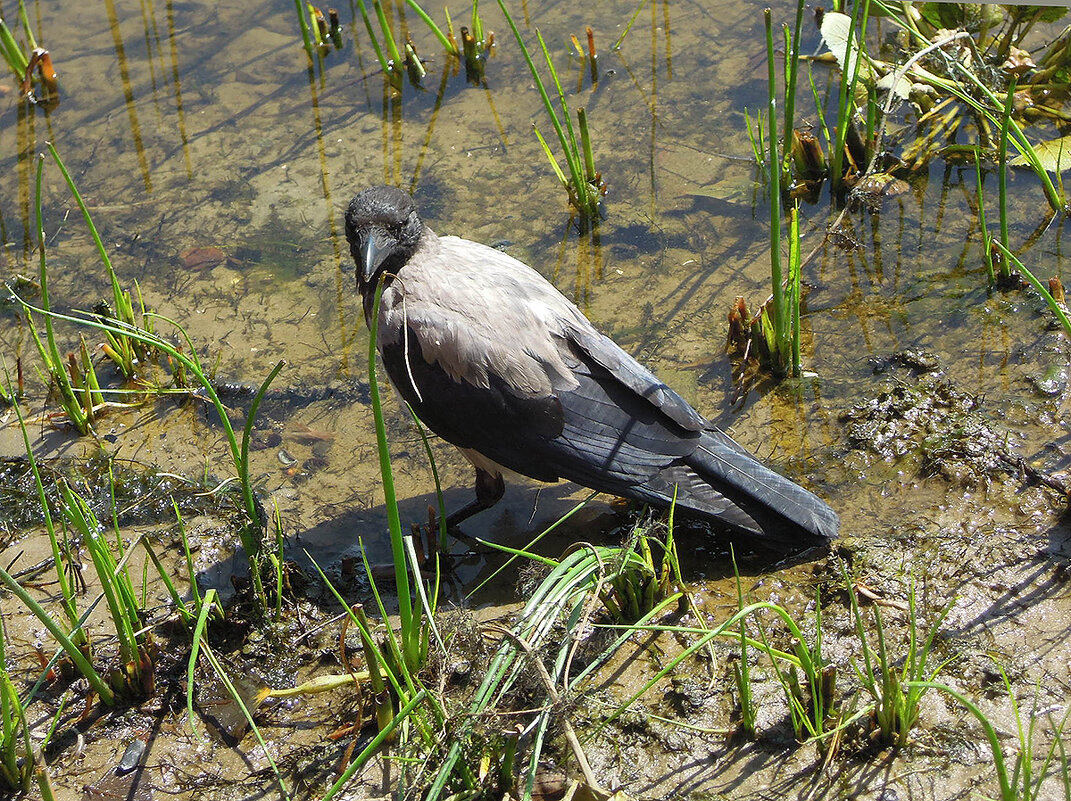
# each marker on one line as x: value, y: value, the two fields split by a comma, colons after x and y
x: 376, y: 250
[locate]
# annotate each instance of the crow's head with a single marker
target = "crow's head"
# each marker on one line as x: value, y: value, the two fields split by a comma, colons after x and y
x: 383, y: 229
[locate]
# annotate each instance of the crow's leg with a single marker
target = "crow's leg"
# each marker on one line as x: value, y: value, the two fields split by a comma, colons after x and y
x: 490, y: 487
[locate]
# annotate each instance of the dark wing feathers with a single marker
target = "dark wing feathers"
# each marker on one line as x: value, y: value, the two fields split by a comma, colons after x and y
x: 609, y: 355
x: 491, y: 420
x: 611, y: 439
x: 599, y: 434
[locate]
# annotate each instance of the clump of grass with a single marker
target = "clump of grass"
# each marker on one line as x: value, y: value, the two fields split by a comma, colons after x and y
x: 895, y: 691
x: 475, y: 47
x: 16, y: 766
x: 253, y: 527
x: 79, y: 390
x: 395, y: 660
x: 326, y: 30
x: 133, y: 678
x: 127, y: 353
x: 584, y: 184
x: 810, y: 701
x: 639, y: 579
x: 996, y: 251
x: 385, y: 44
x: 1021, y: 783
x: 413, y: 648
x: 49, y: 351
x: 131, y: 341
x: 772, y: 335
x: 568, y: 596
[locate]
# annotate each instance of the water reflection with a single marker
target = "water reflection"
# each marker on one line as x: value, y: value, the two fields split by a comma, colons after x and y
x: 177, y: 85
x: 128, y: 91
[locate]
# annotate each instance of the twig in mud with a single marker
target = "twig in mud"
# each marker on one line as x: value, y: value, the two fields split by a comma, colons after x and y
x: 570, y: 733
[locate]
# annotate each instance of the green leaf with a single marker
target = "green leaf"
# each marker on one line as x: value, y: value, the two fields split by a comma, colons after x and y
x: 837, y: 31
x: 1053, y: 154
x: 1044, y: 13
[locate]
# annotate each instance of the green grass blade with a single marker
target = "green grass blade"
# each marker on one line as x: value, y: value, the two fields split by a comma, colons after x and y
x: 1007, y: 792
x: 384, y: 65
x: 1056, y: 308
x: 776, y: 275
x: 374, y: 745
x: 388, y: 34
x: 409, y: 623
x: 435, y: 29
x: 13, y: 54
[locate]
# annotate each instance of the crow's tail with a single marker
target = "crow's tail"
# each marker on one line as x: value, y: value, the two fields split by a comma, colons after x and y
x: 720, y: 481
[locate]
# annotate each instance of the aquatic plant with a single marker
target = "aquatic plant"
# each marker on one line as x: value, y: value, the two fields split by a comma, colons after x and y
x: 23, y: 65
x: 772, y: 335
x: 896, y: 695
x: 413, y: 634
x: 134, y: 677
x: 589, y: 55
x: 946, y: 89
x: 987, y: 242
x: 638, y: 580
x: 996, y: 251
x: 810, y: 701
x: 844, y: 144
x: 1057, y: 307
x: 303, y: 22
x: 394, y: 661
x: 1022, y: 783
x: 394, y: 60
x: 252, y: 530
x: 47, y: 348
x: 15, y: 744
x: 326, y: 29
x: 807, y: 681
x: 475, y: 43
x: 584, y: 185
x: 130, y: 342
x: 628, y: 25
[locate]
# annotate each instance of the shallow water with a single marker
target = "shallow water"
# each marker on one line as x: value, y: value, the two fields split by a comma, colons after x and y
x: 192, y: 126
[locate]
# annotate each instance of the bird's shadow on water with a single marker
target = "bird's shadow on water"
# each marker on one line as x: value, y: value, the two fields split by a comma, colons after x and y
x: 525, y: 513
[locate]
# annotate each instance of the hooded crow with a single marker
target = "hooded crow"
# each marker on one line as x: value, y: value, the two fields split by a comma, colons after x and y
x: 496, y: 361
